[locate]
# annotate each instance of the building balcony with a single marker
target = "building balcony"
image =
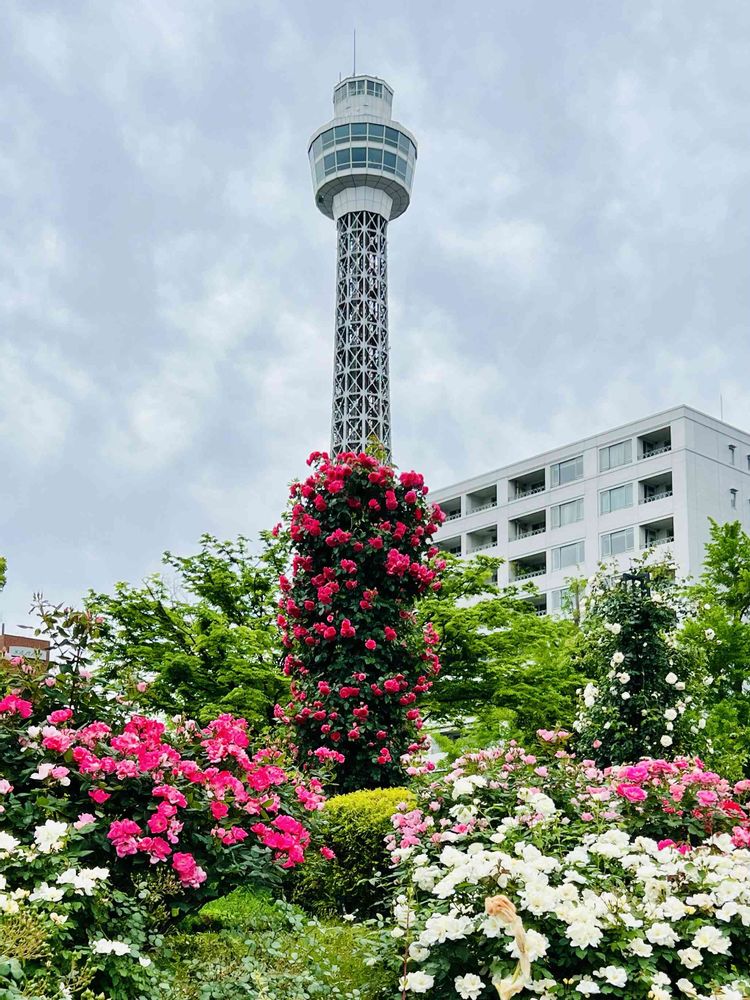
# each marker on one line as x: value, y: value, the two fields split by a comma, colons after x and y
x: 655, y: 533
x: 537, y: 603
x: 528, y: 567
x: 655, y: 488
x: 479, y: 500
x: 527, y: 525
x: 527, y: 485
x: 482, y: 540
x: 451, y: 545
x: 451, y: 509
x: 655, y: 443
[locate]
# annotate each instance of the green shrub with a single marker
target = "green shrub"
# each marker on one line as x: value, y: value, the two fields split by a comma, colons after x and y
x: 354, y: 827
x: 300, y: 959
x: 243, y: 909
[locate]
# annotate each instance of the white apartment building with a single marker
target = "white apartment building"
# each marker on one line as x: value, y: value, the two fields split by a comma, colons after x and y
x: 650, y: 483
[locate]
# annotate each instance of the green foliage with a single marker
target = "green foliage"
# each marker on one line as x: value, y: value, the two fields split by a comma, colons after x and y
x: 717, y: 636
x: 207, y: 641
x: 502, y: 665
x: 295, y: 958
x: 355, y: 827
x: 244, y: 909
x: 3, y: 571
x: 646, y: 695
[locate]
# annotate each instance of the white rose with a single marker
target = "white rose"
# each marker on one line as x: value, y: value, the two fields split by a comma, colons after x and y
x: 625, y: 695
x: 639, y: 947
x: 710, y: 634
x: 671, y: 677
x: 588, y: 987
x: 615, y: 975
x: 662, y: 934
x: 666, y: 741
x: 469, y: 986
x: 417, y: 982
x: 617, y: 659
x: 711, y: 939
x: 670, y: 714
x: 685, y: 986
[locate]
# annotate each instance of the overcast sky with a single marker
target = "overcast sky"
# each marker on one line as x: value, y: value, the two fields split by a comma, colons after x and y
x: 575, y: 255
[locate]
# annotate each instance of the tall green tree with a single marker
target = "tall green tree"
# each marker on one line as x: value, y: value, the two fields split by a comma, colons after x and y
x: 202, y: 640
x: 718, y: 637
x: 3, y: 570
x: 503, y: 666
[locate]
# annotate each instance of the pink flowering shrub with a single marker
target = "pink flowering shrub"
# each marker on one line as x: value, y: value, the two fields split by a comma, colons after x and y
x: 197, y: 802
x: 633, y: 880
x: 358, y: 660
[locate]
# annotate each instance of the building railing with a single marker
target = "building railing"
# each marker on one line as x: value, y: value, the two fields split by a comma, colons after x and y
x: 656, y: 451
x: 453, y: 516
x: 528, y: 534
x: 520, y: 494
x: 657, y: 496
x: 520, y: 575
x: 485, y: 506
x: 482, y: 548
x: 651, y: 542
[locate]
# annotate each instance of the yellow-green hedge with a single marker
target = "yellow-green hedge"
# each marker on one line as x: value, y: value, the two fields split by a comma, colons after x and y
x: 358, y: 878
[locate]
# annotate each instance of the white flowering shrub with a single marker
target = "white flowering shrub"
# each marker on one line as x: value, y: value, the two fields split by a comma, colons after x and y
x: 62, y: 921
x: 548, y: 878
x: 645, y: 696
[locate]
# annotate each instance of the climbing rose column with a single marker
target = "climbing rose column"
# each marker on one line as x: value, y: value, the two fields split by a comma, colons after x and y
x: 358, y: 660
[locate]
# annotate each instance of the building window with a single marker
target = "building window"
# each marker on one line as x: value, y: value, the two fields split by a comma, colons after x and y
x: 732, y: 448
x: 733, y: 499
x: 748, y: 463
x: 559, y: 600
x: 615, y: 542
x: 566, y: 513
x: 568, y: 555
x: 615, y: 454
x: 567, y: 471
x: 617, y: 498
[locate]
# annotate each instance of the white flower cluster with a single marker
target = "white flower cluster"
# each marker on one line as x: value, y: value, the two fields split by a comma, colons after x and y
x: 610, y: 893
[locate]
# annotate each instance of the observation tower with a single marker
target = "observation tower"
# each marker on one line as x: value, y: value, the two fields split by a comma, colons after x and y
x: 362, y: 166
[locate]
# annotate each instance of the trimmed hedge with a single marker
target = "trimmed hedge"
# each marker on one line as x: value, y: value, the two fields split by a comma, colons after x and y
x: 358, y: 879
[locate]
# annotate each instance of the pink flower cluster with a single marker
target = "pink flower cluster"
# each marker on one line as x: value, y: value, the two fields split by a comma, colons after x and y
x: 162, y: 789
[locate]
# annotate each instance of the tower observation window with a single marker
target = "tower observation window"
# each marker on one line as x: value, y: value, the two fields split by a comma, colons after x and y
x: 359, y: 130
x: 375, y: 158
x: 391, y: 137
x: 375, y: 133
x: 389, y: 162
x: 342, y: 133
x: 359, y: 156
x: 342, y: 158
x: 329, y: 162
x: 327, y: 138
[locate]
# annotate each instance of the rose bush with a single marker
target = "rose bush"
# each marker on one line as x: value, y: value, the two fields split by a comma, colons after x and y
x: 358, y: 659
x: 168, y: 814
x: 543, y: 872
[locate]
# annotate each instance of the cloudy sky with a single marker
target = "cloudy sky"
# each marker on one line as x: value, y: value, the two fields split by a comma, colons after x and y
x: 575, y: 255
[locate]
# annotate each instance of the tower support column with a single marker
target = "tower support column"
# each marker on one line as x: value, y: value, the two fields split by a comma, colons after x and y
x: 361, y: 391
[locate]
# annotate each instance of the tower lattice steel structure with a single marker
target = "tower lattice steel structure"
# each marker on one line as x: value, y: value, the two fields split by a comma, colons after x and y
x: 362, y: 165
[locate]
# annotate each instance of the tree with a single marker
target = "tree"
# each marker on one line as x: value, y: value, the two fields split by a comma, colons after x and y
x: 646, y: 694
x: 3, y: 570
x: 358, y: 658
x: 505, y: 670
x: 718, y: 637
x: 205, y: 643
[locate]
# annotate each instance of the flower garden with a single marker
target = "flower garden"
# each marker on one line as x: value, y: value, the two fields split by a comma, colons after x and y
x: 323, y: 850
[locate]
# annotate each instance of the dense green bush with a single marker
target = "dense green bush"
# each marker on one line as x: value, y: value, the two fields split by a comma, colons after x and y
x: 354, y: 826
x: 268, y: 950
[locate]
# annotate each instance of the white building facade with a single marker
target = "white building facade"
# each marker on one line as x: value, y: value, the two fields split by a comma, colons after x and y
x: 650, y: 483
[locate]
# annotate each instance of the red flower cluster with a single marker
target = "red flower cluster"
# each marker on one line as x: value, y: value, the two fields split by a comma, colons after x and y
x: 363, y: 555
